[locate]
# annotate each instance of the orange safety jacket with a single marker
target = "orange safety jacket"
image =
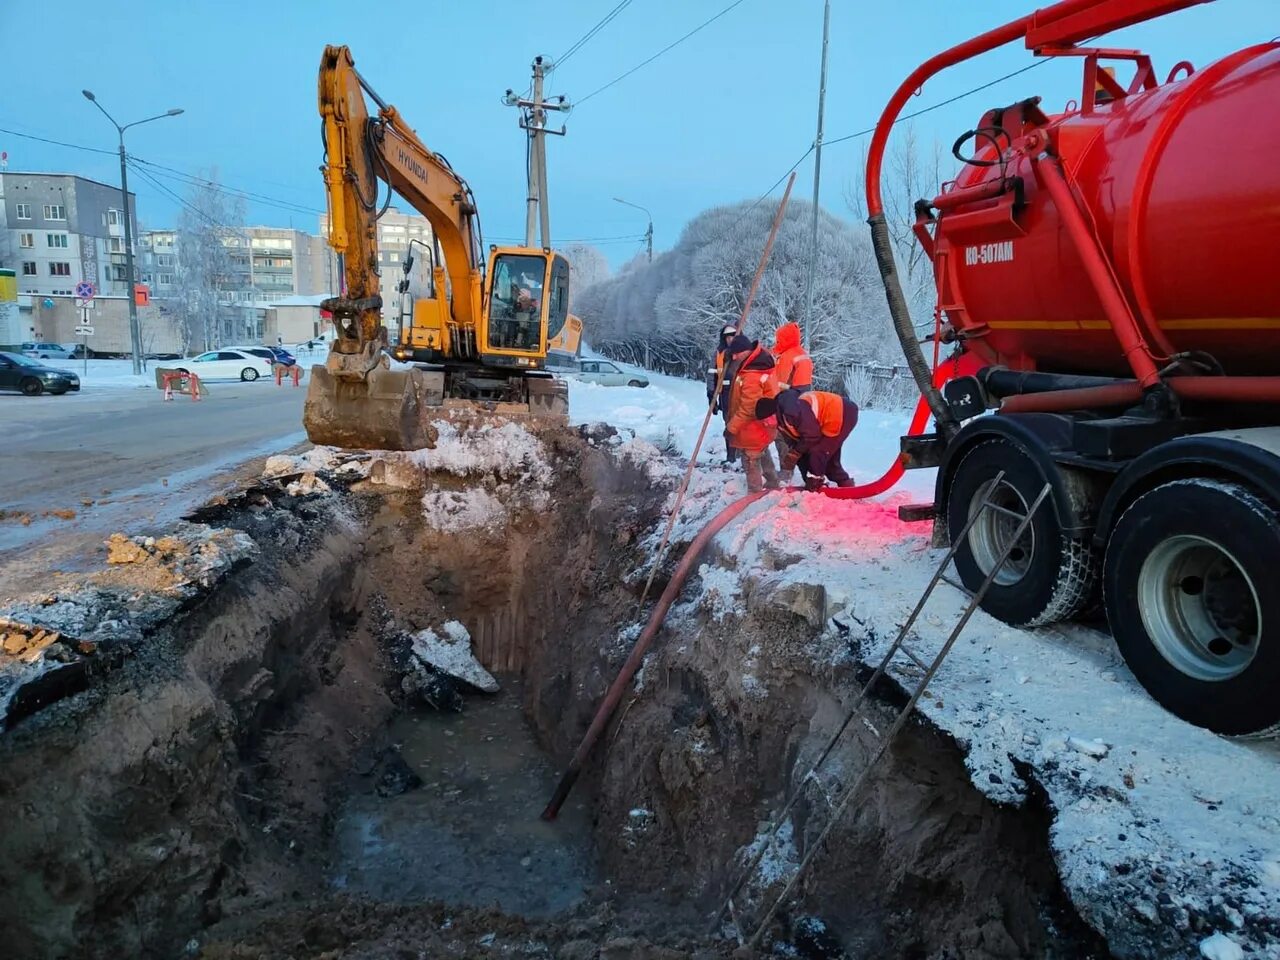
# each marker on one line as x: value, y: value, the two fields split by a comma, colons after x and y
x: 795, y: 366
x: 752, y: 379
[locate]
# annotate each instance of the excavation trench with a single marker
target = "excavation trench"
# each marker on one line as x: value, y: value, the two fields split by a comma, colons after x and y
x: 269, y: 774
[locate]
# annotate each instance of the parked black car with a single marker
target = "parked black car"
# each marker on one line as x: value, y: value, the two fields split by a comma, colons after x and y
x: 32, y: 377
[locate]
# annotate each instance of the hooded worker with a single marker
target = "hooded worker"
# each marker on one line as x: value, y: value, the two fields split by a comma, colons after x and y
x: 794, y: 371
x: 717, y: 372
x: 795, y: 368
x: 751, y: 379
x: 815, y: 425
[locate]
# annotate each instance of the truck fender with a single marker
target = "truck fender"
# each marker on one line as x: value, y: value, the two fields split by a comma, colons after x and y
x: 1250, y: 456
x: 1037, y: 435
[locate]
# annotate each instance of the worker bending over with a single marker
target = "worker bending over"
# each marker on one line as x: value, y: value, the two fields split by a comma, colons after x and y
x: 795, y: 372
x: 718, y: 373
x: 815, y: 425
x: 751, y: 373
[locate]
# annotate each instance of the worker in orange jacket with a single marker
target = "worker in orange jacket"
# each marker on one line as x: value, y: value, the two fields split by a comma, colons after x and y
x: 816, y: 425
x: 795, y: 372
x: 718, y: 373
x: 750, y: 370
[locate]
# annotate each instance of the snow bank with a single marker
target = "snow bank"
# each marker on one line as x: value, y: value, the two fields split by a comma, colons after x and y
x: 1163, y: 833
x: 508, y: 451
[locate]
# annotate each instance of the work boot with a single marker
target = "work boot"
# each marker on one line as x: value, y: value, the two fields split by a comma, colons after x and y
x: 847, y: 482
x: 770, y: 472
x: 755, y: 482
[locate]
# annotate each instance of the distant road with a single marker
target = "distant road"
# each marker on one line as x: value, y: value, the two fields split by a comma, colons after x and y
x: 131, y: 453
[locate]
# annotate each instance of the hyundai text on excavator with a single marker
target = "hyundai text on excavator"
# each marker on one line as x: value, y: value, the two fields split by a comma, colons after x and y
x: 483, y: 330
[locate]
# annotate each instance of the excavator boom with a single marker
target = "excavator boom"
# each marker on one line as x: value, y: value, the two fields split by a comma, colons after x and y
x: 484, y: 327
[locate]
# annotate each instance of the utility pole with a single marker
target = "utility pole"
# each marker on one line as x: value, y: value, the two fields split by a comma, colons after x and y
x: 135, y: 330
x: 648, y: 234
x: 533, y: 120
x: 807, y: 320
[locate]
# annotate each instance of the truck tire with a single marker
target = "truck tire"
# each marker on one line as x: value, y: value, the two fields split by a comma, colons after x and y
x: 1050, y: 575
x: 1188, y: 586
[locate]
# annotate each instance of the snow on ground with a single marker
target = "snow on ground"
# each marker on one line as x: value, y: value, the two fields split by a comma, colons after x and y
x: 1163, y: 832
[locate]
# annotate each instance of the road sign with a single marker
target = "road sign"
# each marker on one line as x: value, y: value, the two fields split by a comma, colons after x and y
x: 84, y: 331
x: 84, y: 290
x: 86, y: 304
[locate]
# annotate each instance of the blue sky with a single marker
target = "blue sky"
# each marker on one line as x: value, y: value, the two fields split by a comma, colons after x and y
x: 717, y: 119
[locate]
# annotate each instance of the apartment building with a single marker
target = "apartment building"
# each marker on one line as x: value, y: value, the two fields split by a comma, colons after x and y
x: 398, y: 233
x: 57, y: 229
x: 264, y: 265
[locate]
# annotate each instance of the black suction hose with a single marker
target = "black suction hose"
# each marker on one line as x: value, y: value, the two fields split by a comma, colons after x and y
x: 903, y: 327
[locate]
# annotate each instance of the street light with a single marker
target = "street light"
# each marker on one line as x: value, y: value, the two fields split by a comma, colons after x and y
x: 135, y: 332
x: 648, y: 235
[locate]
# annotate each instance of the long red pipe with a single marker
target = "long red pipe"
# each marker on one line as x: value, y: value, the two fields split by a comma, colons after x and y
x: 1127, y: 393
x: 645, y: 640
x: 1099, y: 271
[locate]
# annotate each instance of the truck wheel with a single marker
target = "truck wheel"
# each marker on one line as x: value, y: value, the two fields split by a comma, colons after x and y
x: 1049, y: 575
x: 1188, y: 589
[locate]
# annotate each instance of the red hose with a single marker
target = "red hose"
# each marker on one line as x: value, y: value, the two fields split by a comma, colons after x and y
x: 890, y: 476
x: 645, y: 640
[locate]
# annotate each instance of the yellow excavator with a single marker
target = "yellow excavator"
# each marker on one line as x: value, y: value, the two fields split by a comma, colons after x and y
x: 478, y: 340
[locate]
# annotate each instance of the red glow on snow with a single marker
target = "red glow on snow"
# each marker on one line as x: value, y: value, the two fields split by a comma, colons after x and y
x: 804, y: 521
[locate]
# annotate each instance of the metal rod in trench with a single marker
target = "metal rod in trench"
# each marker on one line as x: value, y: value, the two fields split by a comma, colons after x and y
x: 901, y: 720
x: 628, y: 671
x: 715, y: 396
x: 854, y: 709
x: 614, y: 694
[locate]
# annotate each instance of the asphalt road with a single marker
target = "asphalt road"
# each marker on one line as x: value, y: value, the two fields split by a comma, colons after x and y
x: 134, y: 457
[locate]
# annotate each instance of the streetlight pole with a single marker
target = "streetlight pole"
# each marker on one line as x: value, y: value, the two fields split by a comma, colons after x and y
x: 135, y: 331
x: 806, y: 326
x: 648, y: 234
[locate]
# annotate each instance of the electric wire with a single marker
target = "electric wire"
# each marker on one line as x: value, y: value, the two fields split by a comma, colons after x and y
x: 670, y: 46
x: 586, y: 37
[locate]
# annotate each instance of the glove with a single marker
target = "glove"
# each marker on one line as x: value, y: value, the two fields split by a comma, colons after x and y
x: 814, y: 484
x: 789, y: 463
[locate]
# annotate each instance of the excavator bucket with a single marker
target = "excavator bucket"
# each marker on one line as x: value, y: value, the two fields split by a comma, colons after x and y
x: 381, y: 410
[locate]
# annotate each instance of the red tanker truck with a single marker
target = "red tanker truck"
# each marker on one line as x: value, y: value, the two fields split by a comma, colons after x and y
x: 1110, y: 278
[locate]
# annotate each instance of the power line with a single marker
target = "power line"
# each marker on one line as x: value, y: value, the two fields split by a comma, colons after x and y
x: 645, y: 63
x: 941, y: 103
x: 600, y: 25
x: 194, y: 180
x: 174, y: 173
x: 60, y: 143
x: 215, y: 224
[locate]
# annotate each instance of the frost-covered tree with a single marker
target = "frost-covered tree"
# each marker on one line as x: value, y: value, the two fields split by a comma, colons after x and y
x: 667, y: 314
x: 587, y: 266
x: 209, y: 267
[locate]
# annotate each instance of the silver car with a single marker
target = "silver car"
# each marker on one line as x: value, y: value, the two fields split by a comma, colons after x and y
x: 609, y: 375
x: 47, y: 351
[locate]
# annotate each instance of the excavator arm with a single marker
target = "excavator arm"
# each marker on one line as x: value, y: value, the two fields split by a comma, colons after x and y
x: 360, y: 151
x: 477, y: 354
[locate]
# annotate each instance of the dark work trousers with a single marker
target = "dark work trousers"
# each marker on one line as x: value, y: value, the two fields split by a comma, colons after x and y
x: 823, y: 458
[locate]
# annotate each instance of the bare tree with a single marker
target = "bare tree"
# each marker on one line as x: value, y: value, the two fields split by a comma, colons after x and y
x: 912, y: 172
x: 209, y: 271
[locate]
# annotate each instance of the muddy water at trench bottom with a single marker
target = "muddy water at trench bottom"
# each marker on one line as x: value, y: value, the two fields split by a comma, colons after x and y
x: 471, y: 834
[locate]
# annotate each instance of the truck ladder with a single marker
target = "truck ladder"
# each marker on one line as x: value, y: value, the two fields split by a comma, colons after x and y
x: 838, y: 804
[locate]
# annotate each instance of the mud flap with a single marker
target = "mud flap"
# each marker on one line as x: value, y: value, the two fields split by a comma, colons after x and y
x: 385, y: 410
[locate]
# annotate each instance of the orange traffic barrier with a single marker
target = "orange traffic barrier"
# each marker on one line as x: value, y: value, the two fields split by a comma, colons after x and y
x: 170, y: 377
x: 294, y: 371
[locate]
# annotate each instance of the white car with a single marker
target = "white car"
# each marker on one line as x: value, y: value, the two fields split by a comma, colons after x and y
x: 609, y: 375
x: 226, y: 364
x: 47, y: 351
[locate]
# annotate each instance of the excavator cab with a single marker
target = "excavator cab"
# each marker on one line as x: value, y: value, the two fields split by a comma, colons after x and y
x: 527, y: 307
